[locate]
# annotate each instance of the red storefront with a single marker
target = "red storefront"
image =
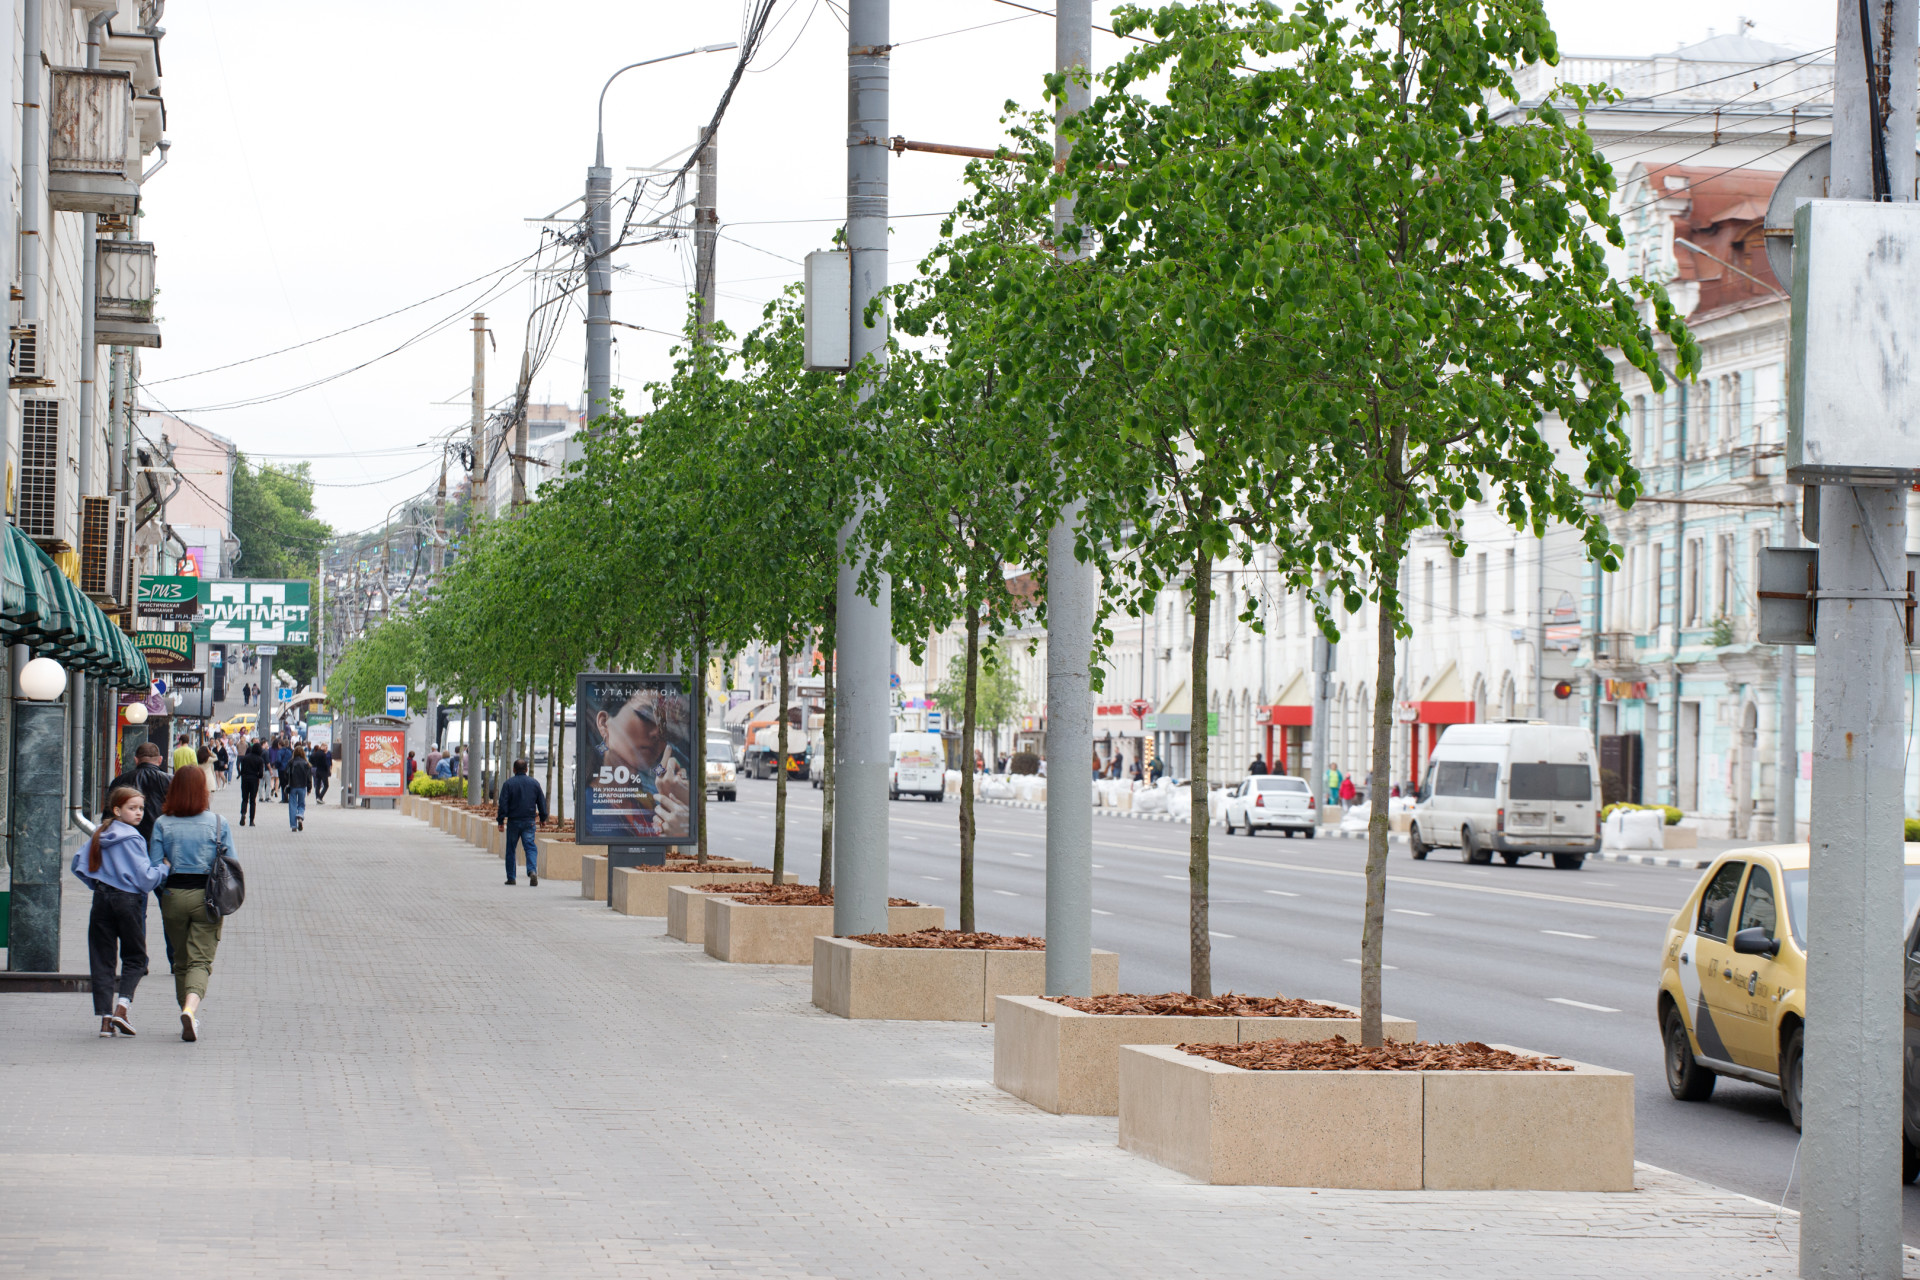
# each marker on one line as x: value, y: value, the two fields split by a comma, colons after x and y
x: 1441, y: 703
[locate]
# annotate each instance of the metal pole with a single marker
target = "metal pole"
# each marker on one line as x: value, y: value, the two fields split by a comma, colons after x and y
x: 706, y: 232
x: 476, y: 475
x: 1850, y: 1225
x: 520, y: 431
x: 863, y: 719
x: 599, y: 283
x: 1072, y: 600
x: 1786, y: 781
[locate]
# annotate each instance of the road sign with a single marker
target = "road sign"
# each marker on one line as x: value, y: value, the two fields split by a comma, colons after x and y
x: 266, y: 650
x: 397, y: 701
x: 935, y: 721
x: 248, y: 610
x: 168, y: 598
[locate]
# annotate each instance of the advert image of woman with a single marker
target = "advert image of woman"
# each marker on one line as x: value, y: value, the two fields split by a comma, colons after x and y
x: 655, y: 799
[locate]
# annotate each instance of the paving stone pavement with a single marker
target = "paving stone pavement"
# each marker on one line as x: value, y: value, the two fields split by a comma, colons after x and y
x: 409, y: 1069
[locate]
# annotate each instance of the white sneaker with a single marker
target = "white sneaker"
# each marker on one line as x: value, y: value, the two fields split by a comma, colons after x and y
x: 189, y: 1026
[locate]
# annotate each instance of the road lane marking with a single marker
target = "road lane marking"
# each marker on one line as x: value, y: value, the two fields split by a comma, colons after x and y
x: 1384, y: 966
x: 1281, y: 893
x: 1212, y: 934
x: 1580, y: 1004
x: 1423, y: 881
x: 935, y: 879
x: 1562, y: 933
x: 1098, y: 867
x: 1019, y: 855
x: 1402, y: 911
x: 1006, y: 893
x: 1176, y: 877
x: 1097, y: 911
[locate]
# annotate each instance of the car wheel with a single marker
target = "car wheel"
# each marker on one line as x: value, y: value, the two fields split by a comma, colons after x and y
x: 1909, y: 1160
x: 1687, y: 1080
x: 1469, y: 852
x: 1312, y: 832
x: 1415, y: 845
x: 1569, y: 861
x: 1790, y: 1071
x: 893, y: 795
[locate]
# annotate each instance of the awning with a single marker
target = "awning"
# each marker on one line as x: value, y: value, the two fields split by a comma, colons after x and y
x: 1294, y: 706
x: 42, y: 609
x: 1444, y: 700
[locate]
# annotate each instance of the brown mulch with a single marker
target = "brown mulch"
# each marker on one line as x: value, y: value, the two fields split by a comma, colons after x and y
x: 786, y: 895
x: 730, y: 868
x: 1339, y: 1054
x: 953, y: 940
x: 1178, y: 1004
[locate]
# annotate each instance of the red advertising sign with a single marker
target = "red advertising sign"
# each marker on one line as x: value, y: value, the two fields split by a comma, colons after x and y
x: 383, y: 759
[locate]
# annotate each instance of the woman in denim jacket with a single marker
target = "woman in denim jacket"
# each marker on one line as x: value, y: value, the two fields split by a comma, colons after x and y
x: 186, y: 835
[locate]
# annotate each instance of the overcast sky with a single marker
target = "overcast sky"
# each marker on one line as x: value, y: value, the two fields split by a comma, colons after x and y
x: 331, y: 165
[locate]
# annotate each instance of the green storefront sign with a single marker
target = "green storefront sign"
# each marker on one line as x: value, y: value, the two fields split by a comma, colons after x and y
x: 166, y: 650
x: 255, y: 611
x: 167, y: 598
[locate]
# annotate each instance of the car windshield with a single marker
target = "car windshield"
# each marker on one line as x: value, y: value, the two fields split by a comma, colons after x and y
x: 1281, y: 784
x: 1550, y: 782
x: 1795, y: 884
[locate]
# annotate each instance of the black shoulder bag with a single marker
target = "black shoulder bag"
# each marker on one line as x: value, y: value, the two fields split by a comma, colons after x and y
x: 226, y: 882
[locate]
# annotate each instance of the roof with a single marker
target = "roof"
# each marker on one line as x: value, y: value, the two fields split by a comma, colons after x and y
x: 1795, y: 857
x: 1734, y: 48
x: 1722, y: 216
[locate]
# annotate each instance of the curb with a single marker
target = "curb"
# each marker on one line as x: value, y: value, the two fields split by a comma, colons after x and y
x: 1648, y: 860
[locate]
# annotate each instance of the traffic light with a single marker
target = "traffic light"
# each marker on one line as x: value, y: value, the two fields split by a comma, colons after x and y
x: 1563, y: 689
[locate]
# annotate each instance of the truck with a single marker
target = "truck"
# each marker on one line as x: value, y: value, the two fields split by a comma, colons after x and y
x: 1521, y: 787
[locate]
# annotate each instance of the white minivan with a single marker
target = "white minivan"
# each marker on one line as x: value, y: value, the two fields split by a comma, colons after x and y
x: 917, y: 766
x: 1512, y: 789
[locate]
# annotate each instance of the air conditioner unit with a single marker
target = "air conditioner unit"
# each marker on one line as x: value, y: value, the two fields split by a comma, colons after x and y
x: 122, y: 563
x: 43, y: 472
x: 26, y: 370
x: 103, y: 553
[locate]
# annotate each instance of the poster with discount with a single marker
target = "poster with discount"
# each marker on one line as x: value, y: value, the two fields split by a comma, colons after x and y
x: 633, y: 753
x: 383, y: 759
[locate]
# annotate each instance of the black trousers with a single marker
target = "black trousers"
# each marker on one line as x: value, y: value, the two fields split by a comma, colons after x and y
x: 249, y: 800
x: 116, y: 939
x: 320, y: 781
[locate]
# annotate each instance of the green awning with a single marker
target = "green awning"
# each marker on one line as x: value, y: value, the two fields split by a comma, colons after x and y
x: 42, y: 609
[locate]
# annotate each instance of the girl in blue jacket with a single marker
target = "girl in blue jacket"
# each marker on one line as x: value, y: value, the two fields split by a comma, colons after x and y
x: 115, y: 866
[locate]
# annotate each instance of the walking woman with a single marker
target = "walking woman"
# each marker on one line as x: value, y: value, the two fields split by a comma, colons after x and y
x: 253, y: 766
x: 116, y: 867
x: 186, y: 836
x: 299, y: 778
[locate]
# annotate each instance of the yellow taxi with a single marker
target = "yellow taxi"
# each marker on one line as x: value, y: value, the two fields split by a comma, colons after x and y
x: 242, y: 723
x: 1733, y: 976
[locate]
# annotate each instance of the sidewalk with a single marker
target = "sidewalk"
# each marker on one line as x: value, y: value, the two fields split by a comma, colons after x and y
x: 409, y: 1069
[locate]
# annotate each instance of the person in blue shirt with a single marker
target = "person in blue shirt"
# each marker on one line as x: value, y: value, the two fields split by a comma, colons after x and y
x: 186, y: 836
x: 116, y: 866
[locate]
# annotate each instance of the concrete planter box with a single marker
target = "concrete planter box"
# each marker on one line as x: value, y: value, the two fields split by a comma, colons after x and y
x: 741, y: 933
x: 644, y: 893
x: 1379, y: 1130
x: 593, y: 876
x: 559, y: 858
x: 929, y: 984
x: 687, y: 914
x: 1068, y: 1062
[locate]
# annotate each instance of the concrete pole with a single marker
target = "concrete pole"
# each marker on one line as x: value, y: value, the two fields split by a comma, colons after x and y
x: 476, y: 498
x: 1786, y: 781
x: 520, y: 430
x: 1850, y: 1225
x: 706, y: 232
x: 1073, y: 590
x: 599, y: 283
x: 863, y: 718
x: 439, y: 559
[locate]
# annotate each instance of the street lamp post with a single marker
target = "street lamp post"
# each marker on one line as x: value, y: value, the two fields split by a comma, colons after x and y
x: 600, y: 244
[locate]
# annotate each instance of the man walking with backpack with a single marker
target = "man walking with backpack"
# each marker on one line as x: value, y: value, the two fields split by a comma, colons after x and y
x: 521, y: 806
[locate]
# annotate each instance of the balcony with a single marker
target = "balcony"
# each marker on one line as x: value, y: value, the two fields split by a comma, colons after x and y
x: 90, y: 165
x: 123, y: 304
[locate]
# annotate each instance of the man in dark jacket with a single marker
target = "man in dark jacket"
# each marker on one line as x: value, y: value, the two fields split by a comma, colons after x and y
x: 322, y: 761
x: 253, y: 767
x: 522, y: 805
x: 150, y: 780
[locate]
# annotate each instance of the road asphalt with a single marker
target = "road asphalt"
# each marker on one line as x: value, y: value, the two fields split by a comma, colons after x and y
x: 1561, y: 961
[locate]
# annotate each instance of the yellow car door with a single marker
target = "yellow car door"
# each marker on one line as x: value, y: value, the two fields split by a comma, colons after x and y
x: 1706, y: 962
x: 1755, y: 982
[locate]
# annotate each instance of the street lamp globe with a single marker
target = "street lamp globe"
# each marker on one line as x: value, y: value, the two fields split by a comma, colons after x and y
x: 136, y: 713
x: 43, y: 680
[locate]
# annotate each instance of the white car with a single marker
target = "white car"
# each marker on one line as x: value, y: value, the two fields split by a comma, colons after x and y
x: 1270, y: 801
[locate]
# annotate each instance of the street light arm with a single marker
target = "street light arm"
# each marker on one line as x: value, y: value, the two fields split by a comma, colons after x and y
x: 600, y: 111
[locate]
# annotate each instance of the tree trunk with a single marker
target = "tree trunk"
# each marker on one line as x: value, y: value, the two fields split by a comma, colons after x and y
x: 826, y: 765
x: 1374, y: 921
x: 698, y: 687
x: 1199, y: 942
x: 780, y: 775
x: 966, y: 769
x: 553, y: 756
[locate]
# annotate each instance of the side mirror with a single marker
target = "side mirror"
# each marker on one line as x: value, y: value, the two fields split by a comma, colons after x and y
x: 1755, y: 942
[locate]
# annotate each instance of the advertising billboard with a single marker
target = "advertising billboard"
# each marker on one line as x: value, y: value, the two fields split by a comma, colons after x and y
x: 255, y: 611
x: 633, y: 754
x: 166, y: 650
x: 168, y: 598
x: 383, y: 762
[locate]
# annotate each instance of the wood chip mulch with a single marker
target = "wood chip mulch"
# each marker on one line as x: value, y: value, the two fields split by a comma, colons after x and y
x: 1339, y: 1054
x: 1178, y: 1004
x: 786, y: 895
x: 730, y: 868
x: 952, y: 940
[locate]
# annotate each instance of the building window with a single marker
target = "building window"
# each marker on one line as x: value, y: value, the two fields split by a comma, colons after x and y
x: 1656, y: 598
x: 1512, y: 587
x: 1426, y: 609
x: 1480, y: 585
x: 1690, y: 583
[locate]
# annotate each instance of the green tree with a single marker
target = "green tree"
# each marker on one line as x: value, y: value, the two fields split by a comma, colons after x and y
x: 997, y: 696
x: 1422, y: 289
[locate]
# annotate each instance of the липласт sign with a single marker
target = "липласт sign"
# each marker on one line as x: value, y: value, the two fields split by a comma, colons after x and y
x: 255, y: 611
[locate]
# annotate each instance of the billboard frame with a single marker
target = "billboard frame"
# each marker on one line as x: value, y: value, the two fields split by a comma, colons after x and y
x: 626, y: 848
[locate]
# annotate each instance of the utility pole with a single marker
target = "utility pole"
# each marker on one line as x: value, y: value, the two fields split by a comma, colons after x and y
x: 1786, y: 772
x: 599, y: 282
x: 1850, y: 1224
x: 706, y: 232
x: 1073, y: 589
x: 439, y: 560
x: 476, y: 478
x: 520, y: 431
x: 863, y: 718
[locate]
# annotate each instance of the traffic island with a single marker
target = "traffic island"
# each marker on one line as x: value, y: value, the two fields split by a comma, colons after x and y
x: 778, y: 926
x: 1401, y: 1117
x: 935, y: 975
x: 1062, y: 1053
x: 642, y: 891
